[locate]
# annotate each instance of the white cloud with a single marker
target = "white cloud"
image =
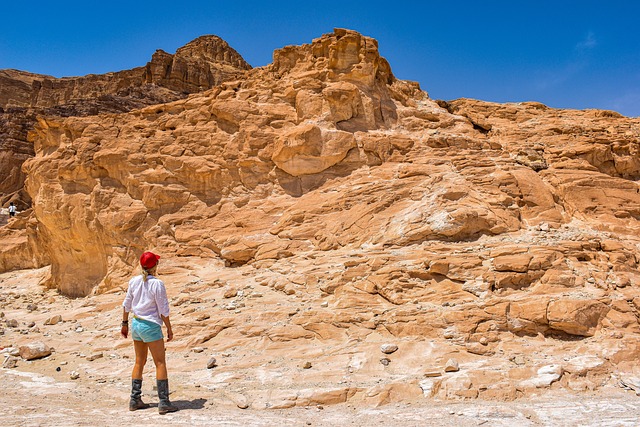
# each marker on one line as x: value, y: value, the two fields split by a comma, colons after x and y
x: 577, y: 62
x: 589, y: 42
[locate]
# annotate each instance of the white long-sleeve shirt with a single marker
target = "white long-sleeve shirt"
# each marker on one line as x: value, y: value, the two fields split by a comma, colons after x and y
x: 148, y: 300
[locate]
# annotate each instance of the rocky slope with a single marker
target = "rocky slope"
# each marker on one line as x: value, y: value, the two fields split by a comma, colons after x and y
x: 318, y: 213
x: 201, y: 64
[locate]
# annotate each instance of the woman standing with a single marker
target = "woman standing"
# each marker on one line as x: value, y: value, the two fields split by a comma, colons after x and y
x: 147, y: 300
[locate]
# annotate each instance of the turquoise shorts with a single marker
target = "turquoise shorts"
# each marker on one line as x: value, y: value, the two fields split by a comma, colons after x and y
x: 145, y: 331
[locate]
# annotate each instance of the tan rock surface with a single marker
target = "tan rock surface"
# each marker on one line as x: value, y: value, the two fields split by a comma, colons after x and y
x: 199, y: 65
x: 319, y: 208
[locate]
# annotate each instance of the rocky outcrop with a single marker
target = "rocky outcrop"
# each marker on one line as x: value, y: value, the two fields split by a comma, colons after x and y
x: 360, y: 210
x: 197, y: 66
x: 402, y: 169
x: 201, y: 64
x: 15, y: 124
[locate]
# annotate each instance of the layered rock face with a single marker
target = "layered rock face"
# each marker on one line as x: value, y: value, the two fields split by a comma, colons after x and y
x: 197, y: 66
x: 323, y: 178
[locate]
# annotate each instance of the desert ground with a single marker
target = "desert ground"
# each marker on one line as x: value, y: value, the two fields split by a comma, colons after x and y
x: 87, y: 342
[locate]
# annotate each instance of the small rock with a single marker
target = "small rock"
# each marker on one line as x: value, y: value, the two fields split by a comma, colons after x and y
x: 230, y: 293
x: 451, y: 366
x: 203, y: 317
x: 439, y: 267
x: 32, y: 307
x: 53, y: 320
x: 10, y: 362
x: 432, y: 373
x: 385, y: 361
x: 197, y: 349
x: 325, y: 304
x: 211, y: 363
x: 388, y: 348
x: 95, y: 356
x: 35, y: 350
x: 448, y: 334
x: 240, y: 400
x: 79, y: 329
x: 518, y: 360
x: 31, y: 324
x: 74, y: 375
x: 477, y: 348
x: 12, y: 323
x: 307, y: 365
x: 58, y: 369
x: 64, y: 363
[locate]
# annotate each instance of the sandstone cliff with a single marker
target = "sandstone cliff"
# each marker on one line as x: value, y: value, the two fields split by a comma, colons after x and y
x: 199, y: 65
x: 355, y: 209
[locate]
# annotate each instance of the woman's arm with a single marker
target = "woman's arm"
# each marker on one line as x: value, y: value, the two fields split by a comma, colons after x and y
x: 126, y: 308
x: 124, y: 331
x: 162, y: 302
x: 167, y: 323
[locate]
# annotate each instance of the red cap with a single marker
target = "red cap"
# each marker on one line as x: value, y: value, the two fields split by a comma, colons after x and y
x: 149, y: 260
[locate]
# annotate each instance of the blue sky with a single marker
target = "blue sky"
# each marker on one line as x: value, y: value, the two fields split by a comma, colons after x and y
x: 565, y: 54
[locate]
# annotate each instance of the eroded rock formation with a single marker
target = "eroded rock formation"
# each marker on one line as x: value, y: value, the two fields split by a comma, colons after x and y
x: 201, y: 64
x: 322, y: 177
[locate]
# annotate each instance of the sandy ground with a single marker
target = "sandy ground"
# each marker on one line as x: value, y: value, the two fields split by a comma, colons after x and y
x: 41, y: 393
x: 30, y: 399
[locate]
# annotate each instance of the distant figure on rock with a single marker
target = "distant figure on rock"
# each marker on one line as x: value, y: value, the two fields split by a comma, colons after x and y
x: 147, y: 300
x: 12, y: 209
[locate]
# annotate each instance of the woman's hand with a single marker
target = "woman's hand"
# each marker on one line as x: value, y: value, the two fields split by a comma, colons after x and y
x: 124, y: 331
x: 169, y: 334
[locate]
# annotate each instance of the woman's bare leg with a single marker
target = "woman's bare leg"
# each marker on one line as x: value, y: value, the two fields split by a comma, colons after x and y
x: 142, y: 350
x: 158, y: 354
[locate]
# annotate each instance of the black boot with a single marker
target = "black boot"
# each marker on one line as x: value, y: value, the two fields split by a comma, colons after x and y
x: 136, y: 401
x: 164, y: 405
